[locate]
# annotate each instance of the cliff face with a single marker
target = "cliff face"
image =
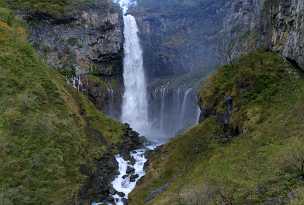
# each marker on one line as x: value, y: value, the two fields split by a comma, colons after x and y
x: 187, y: 37
x: 202, y: 34
x: 183, y: 42
x: 87, y: 41
x: 286, y: 18
x: 177, y: 38
x: 273, y: 24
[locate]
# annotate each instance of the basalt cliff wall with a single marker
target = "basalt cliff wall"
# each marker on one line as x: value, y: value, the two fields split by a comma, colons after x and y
x: 85, y: 44
x: 199, y: 35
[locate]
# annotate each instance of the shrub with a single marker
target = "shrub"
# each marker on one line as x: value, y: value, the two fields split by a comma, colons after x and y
x: 292, y: 158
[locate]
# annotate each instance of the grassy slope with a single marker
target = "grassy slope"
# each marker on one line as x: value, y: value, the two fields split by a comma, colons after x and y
x: 47, y: 130
x: 261, y: 164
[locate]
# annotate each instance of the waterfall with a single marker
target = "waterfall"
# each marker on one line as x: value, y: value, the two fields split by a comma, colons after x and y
x: 172, y: 110
x: 135, y: 105
x: 134, y: 109
x: 111, y: 101
x: 162, y: 108
x: 183, y: 108
x: 198, y: 115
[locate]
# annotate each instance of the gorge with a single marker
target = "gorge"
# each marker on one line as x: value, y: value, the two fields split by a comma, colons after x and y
x: 172, y: 102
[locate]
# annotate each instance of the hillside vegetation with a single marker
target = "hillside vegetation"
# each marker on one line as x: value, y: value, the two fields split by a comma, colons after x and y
x: 47, y: 130
x: 246, y: 151
x: 55, y: 8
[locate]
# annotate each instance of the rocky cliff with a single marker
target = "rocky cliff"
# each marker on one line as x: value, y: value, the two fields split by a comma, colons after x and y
x: 177, y: 38
x: 183, y: 42
x: 191, y: 36
x: 201, y: 34
x: 87, y: 44
x: 286, y: 28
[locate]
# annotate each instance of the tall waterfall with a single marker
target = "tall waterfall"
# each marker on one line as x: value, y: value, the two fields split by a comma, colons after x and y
x: 135, y: 104
x: 158, y: 121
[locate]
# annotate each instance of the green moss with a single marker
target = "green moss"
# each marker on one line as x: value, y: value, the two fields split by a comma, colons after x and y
x: 47, y: 129
x: 53, y: 7
x: 252, y: 168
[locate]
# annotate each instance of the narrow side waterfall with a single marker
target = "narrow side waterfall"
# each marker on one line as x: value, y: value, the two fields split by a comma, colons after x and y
x: 172, y: 110
x: 135, y: 104
x: 183, y: 108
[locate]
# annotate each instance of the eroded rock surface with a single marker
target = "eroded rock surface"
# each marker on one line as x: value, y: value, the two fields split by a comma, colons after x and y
x: 87, y: 41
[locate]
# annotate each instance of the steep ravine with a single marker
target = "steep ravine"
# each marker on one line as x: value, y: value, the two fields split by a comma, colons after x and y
x: 58, y: 148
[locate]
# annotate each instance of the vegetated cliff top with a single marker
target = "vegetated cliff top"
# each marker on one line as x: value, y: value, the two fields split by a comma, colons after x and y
x: 47, y: 130
x: 249, y: 148
x: 55, y: 8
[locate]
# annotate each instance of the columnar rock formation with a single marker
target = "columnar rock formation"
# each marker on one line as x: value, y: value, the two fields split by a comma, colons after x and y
x: 194, y: 35
x: 286, y: 35
x: 87, y: 42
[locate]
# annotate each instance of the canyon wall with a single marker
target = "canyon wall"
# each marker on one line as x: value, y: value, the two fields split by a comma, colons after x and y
x: 183, y: 43
x: 286, y: 20
x: 196, y: 35
x: 186, y: 37
x: 87, y: 44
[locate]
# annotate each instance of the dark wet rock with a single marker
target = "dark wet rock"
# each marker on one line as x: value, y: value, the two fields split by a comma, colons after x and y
x: 131, y: 141
x: 112, y: 191
x: 125, y: 201
x: 132, y: 160
x: 130, y: 170
x: 133, y: 177
x: 109, y: 199
x: 98, y: 185
x: 105, y: 93
x: 121, y: 194
x: 125, y: 176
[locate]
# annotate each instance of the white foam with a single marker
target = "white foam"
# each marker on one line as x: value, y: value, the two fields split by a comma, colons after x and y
x: 122, y: 182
